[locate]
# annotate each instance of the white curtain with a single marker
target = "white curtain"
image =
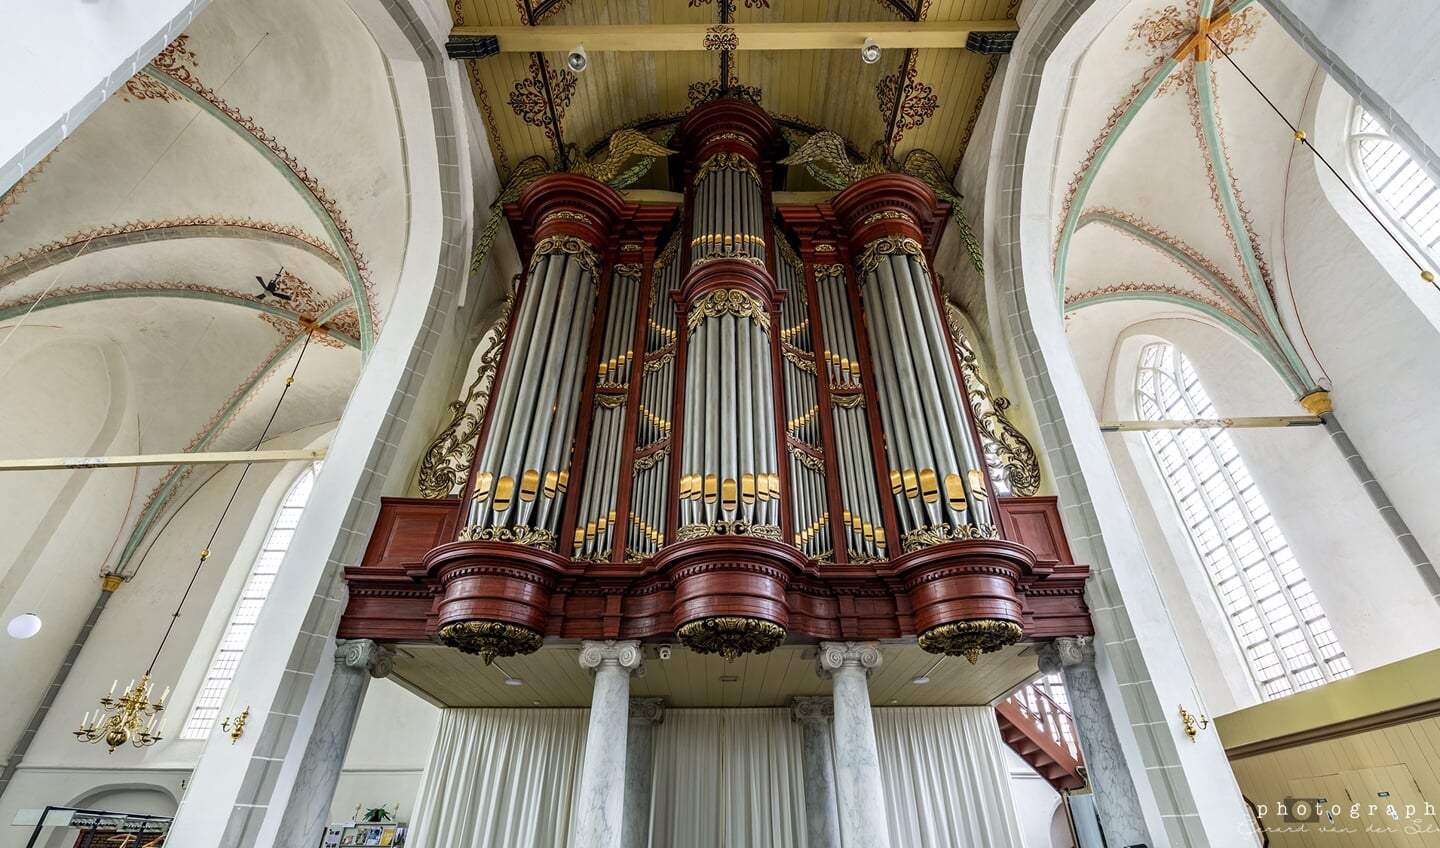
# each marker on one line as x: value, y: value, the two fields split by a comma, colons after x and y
x: 947, y: 784
x: 500, y: 778
x: 728, y: 779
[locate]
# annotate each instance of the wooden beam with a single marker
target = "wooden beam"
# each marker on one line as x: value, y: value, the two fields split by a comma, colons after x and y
x: 657, y: 38
x: 1212, y: 423
x: 203, y: 458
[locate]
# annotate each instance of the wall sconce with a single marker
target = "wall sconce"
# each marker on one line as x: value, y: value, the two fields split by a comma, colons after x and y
x: 236, y: 726
x: 1193, y: 722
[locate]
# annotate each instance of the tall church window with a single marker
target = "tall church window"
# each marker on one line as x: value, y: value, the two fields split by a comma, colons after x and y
x: 210, y: 701
x: 1277, y: 620
x: 1397, y: 184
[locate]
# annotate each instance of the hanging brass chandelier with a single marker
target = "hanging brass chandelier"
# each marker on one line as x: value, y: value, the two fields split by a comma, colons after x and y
x: 133, y: 717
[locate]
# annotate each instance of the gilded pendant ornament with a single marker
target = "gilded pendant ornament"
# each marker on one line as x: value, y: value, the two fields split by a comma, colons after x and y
x: 730, y: 528
x: 788, y: 253
x: 854, y: 401
x: 629, y: 269
x: 939, y: 534
x: 447, y: 461
x: 970, y: 639
x: 722, y: 302
x: 568, y: 246
x: 885, y: 246
x: 531, y: 537
x: 809, y: 460
x: 490, y: 639
x: 834, y: 271
x: 730, y: 636
x: 1008, y: 454
x: 610, y: 400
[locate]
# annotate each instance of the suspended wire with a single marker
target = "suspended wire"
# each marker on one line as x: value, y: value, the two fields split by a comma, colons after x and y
x: 205, y: 553
x: 1426, y: 274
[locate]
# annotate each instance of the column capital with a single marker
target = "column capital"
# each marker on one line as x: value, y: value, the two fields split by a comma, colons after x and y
x: 812, y: 708
x: 1066, y: 651
x: 647, y: 711
x: 835, y: 656
x: 357, y: 655
x: 625, y: 655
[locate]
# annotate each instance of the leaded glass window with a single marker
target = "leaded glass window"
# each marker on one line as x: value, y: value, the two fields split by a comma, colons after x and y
x: 210, y: 701
x: 1281, y: 629
x: 1401, y: 188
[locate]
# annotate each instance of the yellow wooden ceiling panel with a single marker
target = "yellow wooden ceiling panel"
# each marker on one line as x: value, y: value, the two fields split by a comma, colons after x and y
x: 830, y: 89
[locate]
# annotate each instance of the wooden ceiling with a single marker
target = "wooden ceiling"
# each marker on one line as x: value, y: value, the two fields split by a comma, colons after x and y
x: 553, y: 677
x: 912, y: 98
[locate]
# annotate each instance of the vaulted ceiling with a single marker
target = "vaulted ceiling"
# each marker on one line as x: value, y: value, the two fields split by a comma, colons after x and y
x: 1180, y: 171
x: 912, y: 98
x: 263, y: 142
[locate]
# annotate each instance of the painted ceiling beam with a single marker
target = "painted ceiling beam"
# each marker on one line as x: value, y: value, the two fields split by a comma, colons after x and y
x: 150, y: 459
x: 660, y: 38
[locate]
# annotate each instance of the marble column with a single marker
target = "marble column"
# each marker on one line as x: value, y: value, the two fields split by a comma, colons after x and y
x: 822, y: 820
x: 308, y: 806
x: 645, y: 713
x: 600, y: 804
x: 1116, y: 801
x: 860, y: 795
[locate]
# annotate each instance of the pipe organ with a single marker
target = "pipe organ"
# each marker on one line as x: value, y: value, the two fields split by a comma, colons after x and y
x: 731, y: 419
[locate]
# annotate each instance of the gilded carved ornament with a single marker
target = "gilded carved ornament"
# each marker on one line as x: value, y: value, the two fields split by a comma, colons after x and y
x: 970, y: 639
x: 532, y: 537
x: 490, y: 639
x: 727, y: 161
x: 730, y: 528
x: 1008, y: 454
x: 877, y: 250
x: 722, y: 302
x: 730, y: 636
x: 939, y: 534
x: 567, y: 245
x: 447, y: 461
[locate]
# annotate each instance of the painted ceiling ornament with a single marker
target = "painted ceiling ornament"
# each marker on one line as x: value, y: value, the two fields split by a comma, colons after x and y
x: 704, y: 92
x: 1166, y: 31
x: 544, y: 88
x: 721, y: 37
x: 910, y: 101
x: 827, y: 157
x: 176, y: 61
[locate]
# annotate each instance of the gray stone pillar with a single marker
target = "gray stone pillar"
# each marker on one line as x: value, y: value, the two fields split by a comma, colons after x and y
x: 822, y: 820
x: 860, y: 795
x: 645, y: 713
x: 600, y: 804
x: 307, y: 808
x: 1116, y: 801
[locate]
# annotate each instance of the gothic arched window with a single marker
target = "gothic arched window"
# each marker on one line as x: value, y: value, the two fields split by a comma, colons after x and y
x: 1278, y: 622
x: 247, y: 609
x: 1397, y: 184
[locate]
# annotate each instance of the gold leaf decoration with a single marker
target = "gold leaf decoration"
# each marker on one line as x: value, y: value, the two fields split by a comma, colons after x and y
x: 722, y: 302
x: 885, y: 246
x: 1010, y: 457
x: 448, y: 459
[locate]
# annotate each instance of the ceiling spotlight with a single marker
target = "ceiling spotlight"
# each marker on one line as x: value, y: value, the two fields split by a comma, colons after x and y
x: 578, y: 60
x: 514, y: 681
x: 23, y: 626
x: 869, y: 52
x: 920, y: 681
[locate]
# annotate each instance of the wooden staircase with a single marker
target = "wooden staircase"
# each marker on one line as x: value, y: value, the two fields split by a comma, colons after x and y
x: 1043, y: 734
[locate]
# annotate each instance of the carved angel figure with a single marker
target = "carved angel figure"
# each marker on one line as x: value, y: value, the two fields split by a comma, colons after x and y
x: 625, y: 146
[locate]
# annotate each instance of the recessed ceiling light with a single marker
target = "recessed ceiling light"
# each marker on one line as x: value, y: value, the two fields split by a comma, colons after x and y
x: 920, y: 681
x: 514, y: 681
x: 894, y: 700
x: 729, y: 678
x: 534, y: 703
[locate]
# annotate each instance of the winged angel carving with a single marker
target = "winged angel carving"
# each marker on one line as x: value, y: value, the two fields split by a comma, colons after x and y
x: 825, y: 155
x: 629, y: 157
